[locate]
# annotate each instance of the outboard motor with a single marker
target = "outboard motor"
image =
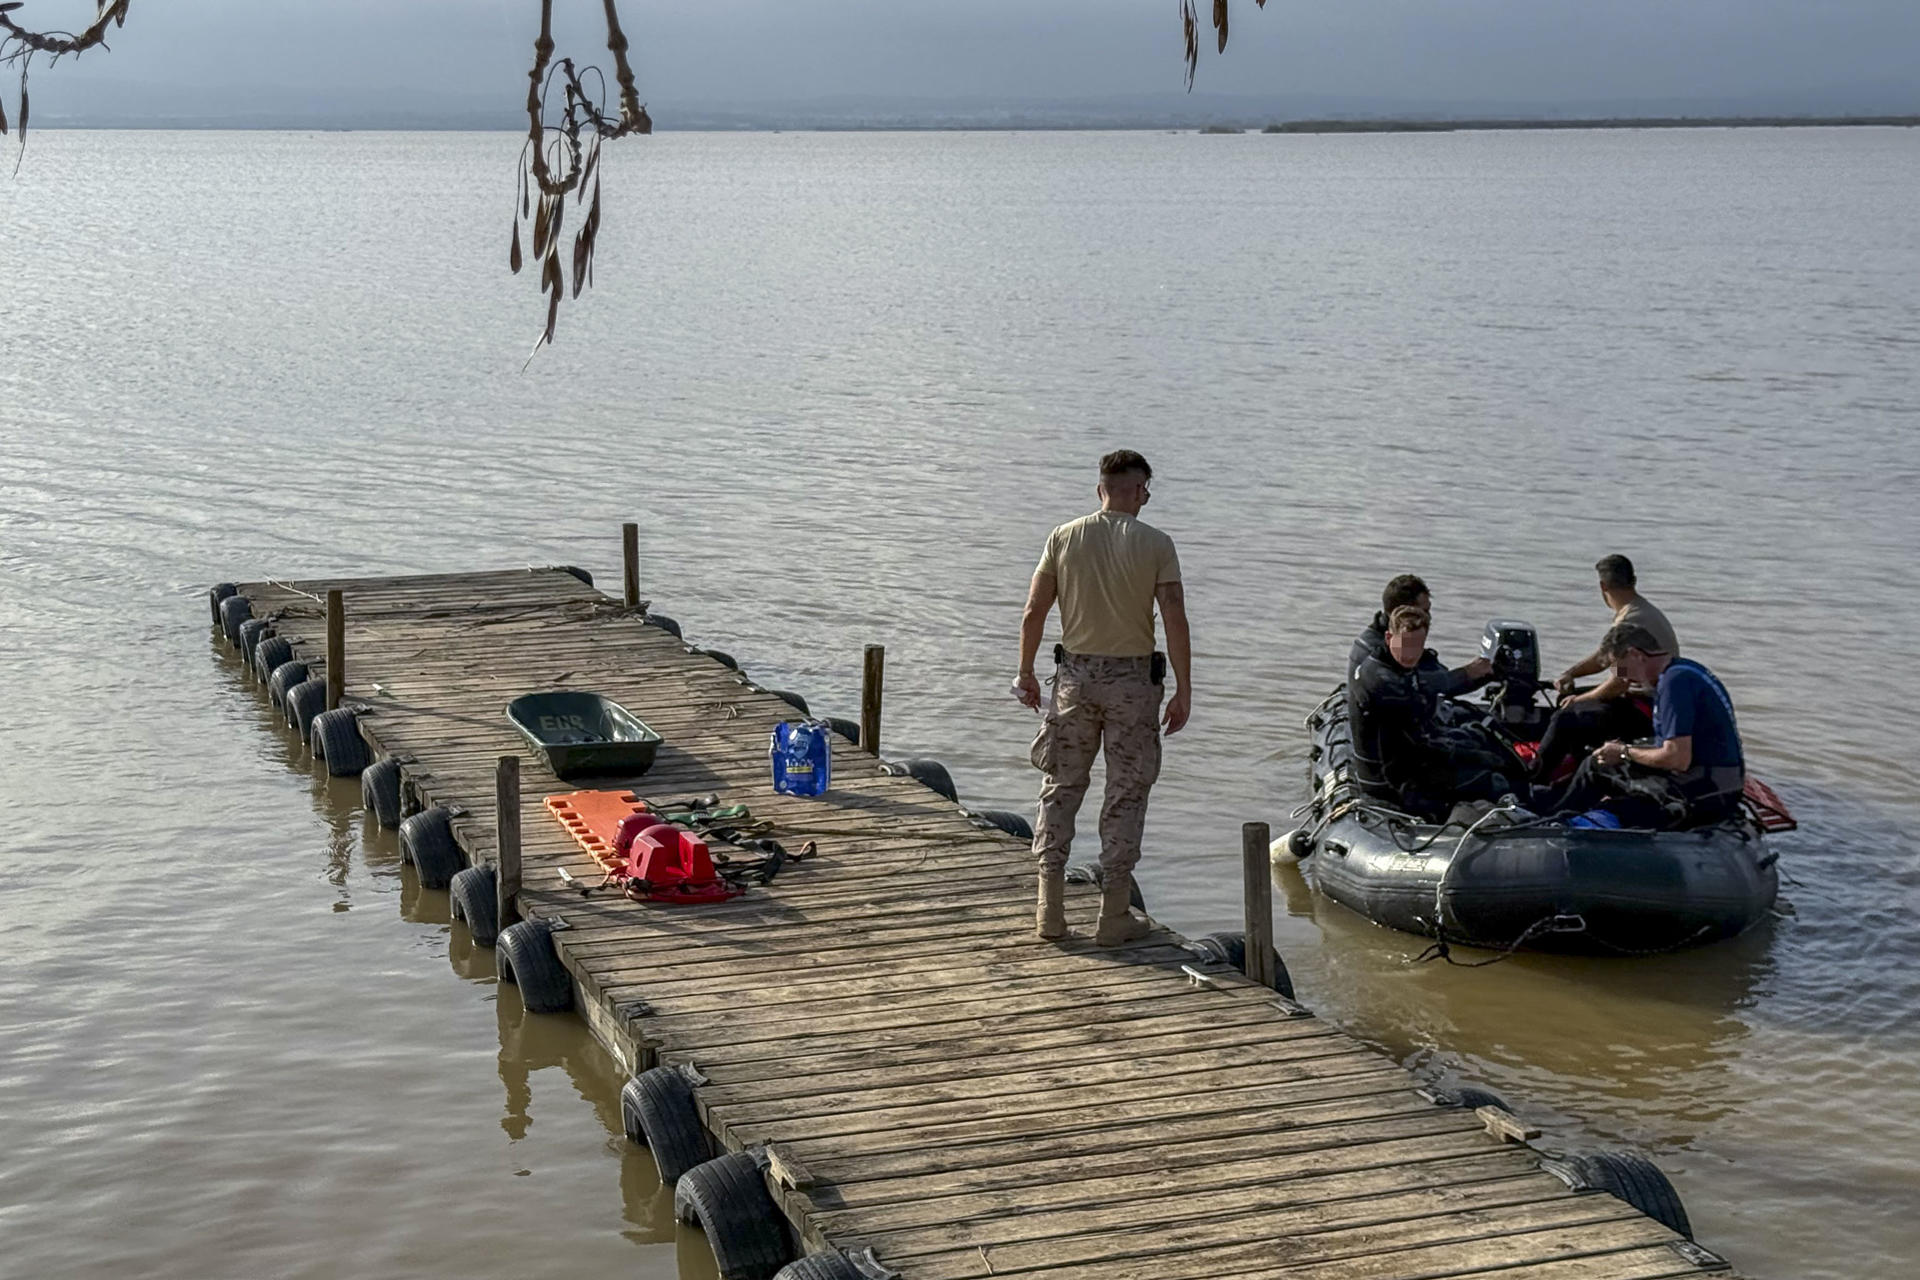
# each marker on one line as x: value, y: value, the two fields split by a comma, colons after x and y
x: 1514, y: 650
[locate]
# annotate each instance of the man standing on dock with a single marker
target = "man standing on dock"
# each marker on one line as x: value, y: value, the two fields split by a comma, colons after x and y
x: 1106, y: 571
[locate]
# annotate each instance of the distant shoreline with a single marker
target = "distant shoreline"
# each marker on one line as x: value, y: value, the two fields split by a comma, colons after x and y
x: 1614, y: 122
x: 1018, y: 125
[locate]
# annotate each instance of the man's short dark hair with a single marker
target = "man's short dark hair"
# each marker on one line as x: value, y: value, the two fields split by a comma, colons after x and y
x: 1405, y: 589
x: 1121, y: 461
x: 1616, y: 573
x: 1629, y: 635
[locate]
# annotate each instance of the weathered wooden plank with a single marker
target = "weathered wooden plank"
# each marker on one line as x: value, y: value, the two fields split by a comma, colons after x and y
x: 1146, y: 1229
x: 1504, y: 1236
x: 1045, y: 1098
x: 862, y: 1209
x: 1092, y: 1130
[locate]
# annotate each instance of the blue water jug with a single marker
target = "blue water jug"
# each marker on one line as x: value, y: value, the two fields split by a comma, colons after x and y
x: 802, y: 758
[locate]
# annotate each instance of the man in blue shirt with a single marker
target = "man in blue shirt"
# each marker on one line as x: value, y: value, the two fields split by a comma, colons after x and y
x: 1694, y: 773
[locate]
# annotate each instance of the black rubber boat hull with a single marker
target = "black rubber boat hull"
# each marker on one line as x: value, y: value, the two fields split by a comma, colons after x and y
x: 1551, y: 888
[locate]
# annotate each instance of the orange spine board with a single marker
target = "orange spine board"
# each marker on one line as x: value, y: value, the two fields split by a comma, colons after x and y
x: 593, y: 818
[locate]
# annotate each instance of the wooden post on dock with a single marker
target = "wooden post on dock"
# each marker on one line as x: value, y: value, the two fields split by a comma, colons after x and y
x: 1256, y: 866
x: 506, y: 795
x: 630, y: 563
x: 336, y: 648
x: 871, y: 681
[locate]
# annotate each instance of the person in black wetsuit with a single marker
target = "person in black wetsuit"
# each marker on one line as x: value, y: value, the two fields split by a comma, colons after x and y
x: 1408, y: 589
x: 1692, y: 776
x: 1400, y: 752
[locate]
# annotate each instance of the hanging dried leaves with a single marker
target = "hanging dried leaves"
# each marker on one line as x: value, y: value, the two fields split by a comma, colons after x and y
x: 567, y: 121
x: 1190, y: 30
x: 18, y: 46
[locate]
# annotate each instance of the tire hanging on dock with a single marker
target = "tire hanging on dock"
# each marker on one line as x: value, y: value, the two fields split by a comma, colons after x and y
x: 1230, y: 948
x: 928, y: 773
x: 728, y: 1199
x: 335, y: 739
x: 820, y: 1266
x: 1006, y: 820
x: 1627, y: 1176
x: 658, y: 1111
x: 380, y: 792
x: 426, y: 840
x: 249, y: 634
x: 234, y: 610
x: 793, y: 700
x: 666, y: 624
x: 526, y: 957
x: 268, y: 656
x: 284, y: 677
x: 720, y: 656
x: 474, y: 896
x: 848, y: 729
x: 1473, y: 1098
x: 305, y: 701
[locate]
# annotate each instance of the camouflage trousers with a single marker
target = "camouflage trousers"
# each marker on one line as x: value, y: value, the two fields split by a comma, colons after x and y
x: 1109, y: 703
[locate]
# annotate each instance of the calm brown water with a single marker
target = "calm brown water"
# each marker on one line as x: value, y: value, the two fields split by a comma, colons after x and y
x: 846, y: 383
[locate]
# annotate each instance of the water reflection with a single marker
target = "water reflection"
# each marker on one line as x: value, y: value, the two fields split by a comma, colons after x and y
x: 356, y: 846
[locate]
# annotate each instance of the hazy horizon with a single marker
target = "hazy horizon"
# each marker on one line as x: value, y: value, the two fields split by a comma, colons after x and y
x: 463, y: 63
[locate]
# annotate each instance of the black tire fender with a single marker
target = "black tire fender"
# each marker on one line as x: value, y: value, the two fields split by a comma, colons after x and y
x: 728, y: 1199
x: 335, y: 738
x: 848, y: 729
x: 722, y: 657
x: 658, y: 1111
x: 305, y: 701
x: 1473, y: 1098
x: 426, y: 840
x: 666, y: 624
x: 820, y: 1266
x: 476, y: 900
x: 576, y: 571
x: 1006, y: 820
x: 1230, y: 947
x: 234, y: 610
x: 792, y: 699
x: 380, y: 792
x: 269, y: 654
x: 528, y: 959
x: 284, y: 677
x: 1627, y: 1176
x: 248, y: 636
x: 928, y: 773
x: 215, y: 594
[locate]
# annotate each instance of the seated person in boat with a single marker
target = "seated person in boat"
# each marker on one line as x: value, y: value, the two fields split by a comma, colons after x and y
x: 1408, y: 589
x: 1693, y: 774
x: 1613, y: 710
x: 1400, y: 752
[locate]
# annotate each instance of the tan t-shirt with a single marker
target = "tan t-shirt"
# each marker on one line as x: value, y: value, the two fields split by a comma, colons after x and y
x: 1641, y: 613
x: 1105, y: 567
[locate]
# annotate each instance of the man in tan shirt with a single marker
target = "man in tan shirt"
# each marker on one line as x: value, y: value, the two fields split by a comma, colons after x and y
x: 1106, y: 571
x: 1612, y: 709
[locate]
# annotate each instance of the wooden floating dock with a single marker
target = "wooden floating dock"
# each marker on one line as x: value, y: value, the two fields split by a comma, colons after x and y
x: 937, y: 1086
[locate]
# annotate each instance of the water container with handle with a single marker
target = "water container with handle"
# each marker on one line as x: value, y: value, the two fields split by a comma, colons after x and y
x: 802, y: 758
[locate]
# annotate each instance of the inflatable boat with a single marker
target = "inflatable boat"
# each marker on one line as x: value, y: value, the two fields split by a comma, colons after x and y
x: 1502, y: 878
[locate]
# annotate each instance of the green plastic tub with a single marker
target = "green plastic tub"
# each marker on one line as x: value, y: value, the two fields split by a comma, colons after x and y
x: 579, y: 733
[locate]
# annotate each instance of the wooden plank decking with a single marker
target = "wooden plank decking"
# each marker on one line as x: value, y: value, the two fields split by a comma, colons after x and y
x: 964, y: 1100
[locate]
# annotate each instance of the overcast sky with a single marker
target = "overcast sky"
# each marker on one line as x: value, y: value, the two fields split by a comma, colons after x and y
x: 237, y: 56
